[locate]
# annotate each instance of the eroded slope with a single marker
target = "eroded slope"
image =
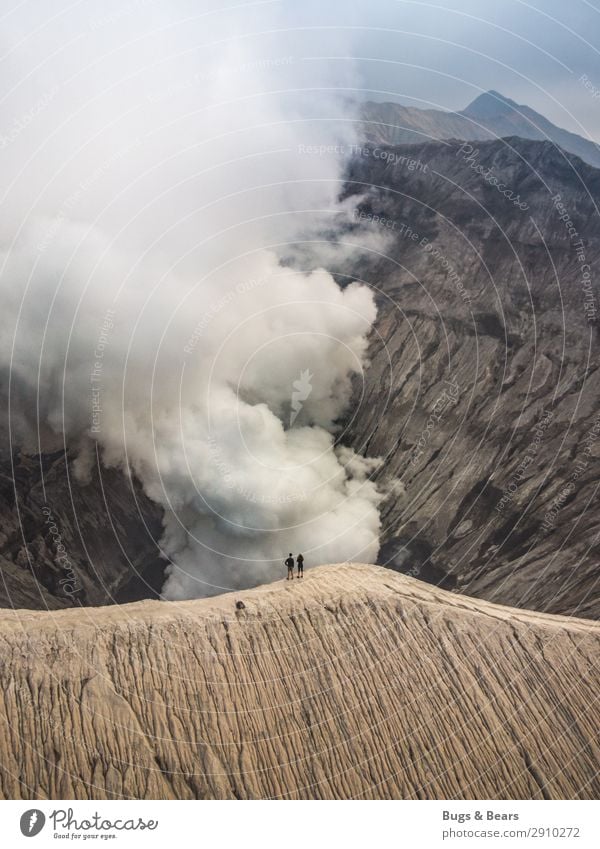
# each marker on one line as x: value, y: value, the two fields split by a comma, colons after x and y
x: 357, y: 682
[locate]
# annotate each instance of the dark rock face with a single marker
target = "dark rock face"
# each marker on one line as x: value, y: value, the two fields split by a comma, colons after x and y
x: 65, y: 544
x: 489, y: 116
x: 483, y: 390
x: 482, y: 393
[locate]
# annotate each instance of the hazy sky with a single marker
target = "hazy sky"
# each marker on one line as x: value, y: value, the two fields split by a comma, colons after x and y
x: 440, y: 53
x: 444, y: 53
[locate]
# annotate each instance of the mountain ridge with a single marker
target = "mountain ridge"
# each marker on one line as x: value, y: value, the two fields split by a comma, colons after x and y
x: 489, y: 116
x: 479, y: 292
x: 354, y: 682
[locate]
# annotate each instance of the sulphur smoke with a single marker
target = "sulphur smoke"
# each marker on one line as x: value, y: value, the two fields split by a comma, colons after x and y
x: 152, y: 309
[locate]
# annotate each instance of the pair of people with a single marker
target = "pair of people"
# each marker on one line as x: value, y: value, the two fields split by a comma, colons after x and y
x: 290, y: 566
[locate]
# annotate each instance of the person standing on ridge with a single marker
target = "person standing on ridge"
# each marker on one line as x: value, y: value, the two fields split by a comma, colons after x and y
x: 290, y: 567
x: 300, y: 562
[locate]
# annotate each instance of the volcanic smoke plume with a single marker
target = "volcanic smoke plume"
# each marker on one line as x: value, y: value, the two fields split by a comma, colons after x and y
x: 154, y: 318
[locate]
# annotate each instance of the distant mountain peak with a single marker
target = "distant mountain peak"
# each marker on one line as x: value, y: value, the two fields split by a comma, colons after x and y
x: 490, y: 116
x: 488, y: 104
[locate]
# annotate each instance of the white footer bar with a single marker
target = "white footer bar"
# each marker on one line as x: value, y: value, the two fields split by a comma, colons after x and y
x: 305, y: 825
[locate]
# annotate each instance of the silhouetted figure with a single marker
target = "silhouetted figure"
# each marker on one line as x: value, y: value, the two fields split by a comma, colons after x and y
x: 290, y: 564
x: 300, y: 562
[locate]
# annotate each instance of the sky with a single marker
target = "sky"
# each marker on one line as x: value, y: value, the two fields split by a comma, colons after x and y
x: 443, y: 54
x: 428, y: 54
x: 159, y: 160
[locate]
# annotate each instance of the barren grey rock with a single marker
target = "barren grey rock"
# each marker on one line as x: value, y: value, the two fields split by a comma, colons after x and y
x: 65, y: 544
x: 489, y: 312
x: 489, y: 116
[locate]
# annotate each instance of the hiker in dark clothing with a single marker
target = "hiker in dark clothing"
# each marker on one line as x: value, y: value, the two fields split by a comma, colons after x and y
x: 290, y: 564
x: 300, y: 562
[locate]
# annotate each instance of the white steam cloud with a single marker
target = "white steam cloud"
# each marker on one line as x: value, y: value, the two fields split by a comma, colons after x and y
x: 163, y: 171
